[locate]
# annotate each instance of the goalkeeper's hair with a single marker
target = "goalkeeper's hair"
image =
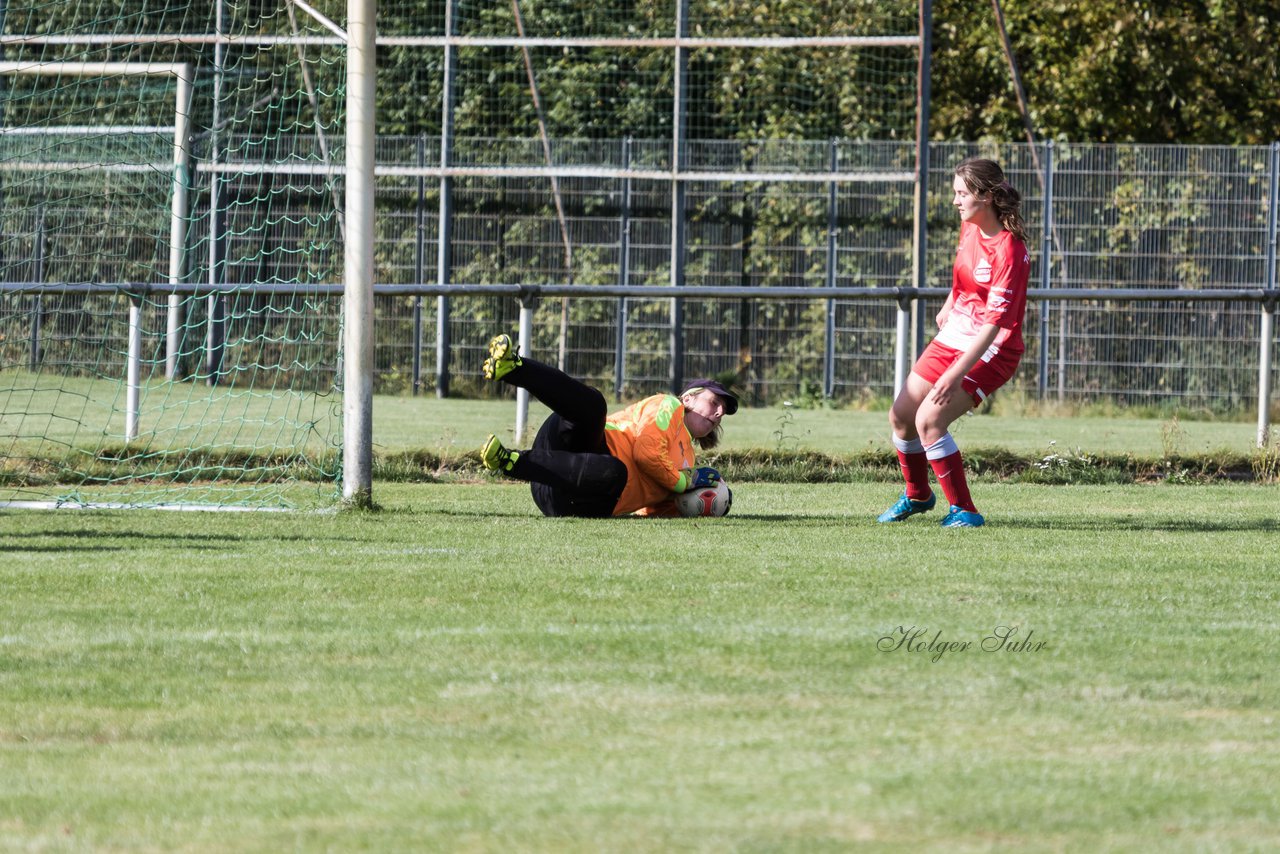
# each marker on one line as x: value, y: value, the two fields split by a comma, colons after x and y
x: 985, y: 179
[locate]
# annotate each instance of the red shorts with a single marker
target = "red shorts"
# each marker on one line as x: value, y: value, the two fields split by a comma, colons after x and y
x: 982, y: 379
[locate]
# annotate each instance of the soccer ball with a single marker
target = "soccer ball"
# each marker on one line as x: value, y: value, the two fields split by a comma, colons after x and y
x: 708, y: 501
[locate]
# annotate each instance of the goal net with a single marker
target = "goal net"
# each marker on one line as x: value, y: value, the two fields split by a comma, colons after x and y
x: 172, y: 196
x: 170, y: 232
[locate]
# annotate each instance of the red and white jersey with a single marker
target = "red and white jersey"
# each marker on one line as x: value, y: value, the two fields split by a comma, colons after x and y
x: 989, y: 285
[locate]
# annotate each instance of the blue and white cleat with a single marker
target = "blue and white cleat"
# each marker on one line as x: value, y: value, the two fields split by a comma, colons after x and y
x: 960, y: 518
x: 906, y: 507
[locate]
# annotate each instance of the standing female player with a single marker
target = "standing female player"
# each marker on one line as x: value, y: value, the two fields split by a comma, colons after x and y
x: 977, y: 349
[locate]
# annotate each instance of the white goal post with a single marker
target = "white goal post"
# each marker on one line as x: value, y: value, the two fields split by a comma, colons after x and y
x: 357, y: 327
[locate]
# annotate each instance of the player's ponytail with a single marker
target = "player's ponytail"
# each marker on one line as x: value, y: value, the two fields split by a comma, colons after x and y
x: 985, y: 179
x: 1006, y: 201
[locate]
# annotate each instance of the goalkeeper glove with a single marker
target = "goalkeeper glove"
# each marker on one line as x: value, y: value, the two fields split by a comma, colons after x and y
x: 700, y: 478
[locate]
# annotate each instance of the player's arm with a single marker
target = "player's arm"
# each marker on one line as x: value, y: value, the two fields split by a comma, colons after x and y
x: 653, y: 448
x: 951, y: 382
x: 657, y: 452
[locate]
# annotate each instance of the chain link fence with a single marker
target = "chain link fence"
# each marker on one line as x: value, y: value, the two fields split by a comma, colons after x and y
x: 1172, y: 218
x: 1160, y: 218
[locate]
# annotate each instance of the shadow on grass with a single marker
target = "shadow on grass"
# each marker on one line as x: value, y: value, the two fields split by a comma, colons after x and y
x: 796, y: 518
x: 1053, y: 523
x: 805, y: 518
x: 1141, y: 523
x: 137, y: 539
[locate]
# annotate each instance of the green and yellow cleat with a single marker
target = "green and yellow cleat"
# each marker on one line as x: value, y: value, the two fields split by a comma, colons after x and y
x: 503, y: 358
x: 497, y: 458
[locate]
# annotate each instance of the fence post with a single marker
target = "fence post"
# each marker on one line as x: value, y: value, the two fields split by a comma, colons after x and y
x: 216, y: 331
x: 1266, y: 336
x: 920, y: 249
x: 133, y: 370
x: 1046, y: 263
x: 444, y: 230
x: 901, y: 347
x: 829, y: 341
x: 678, y: 195
x: 419, y: 262
x: 37, y: 300
x: 624, y: 273
x: 1267, y: 332
x: 528, y: 304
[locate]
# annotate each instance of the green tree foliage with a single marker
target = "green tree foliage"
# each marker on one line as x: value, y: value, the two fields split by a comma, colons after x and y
x: 1182, y: 71
x: 1177, y: 71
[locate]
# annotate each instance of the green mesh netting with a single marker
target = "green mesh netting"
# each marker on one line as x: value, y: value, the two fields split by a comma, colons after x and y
x: 114, y: 387
x: 127, y: 376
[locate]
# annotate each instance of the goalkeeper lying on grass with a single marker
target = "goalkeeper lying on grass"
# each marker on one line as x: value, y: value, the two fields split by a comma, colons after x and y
x: 585, y: 462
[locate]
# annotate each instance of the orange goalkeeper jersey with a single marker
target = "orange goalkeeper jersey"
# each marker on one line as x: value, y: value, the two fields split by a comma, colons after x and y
x: 651, y: 439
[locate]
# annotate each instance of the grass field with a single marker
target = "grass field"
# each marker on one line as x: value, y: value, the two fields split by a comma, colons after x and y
x: 201, y: 445
x: 456, y: 673
x: 39, y: 412
x: 461, y: 425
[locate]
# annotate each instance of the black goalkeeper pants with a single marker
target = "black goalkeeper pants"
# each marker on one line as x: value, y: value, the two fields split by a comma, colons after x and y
x: 569, y: 467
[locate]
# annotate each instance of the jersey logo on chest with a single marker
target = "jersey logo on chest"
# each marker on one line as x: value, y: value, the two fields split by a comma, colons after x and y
x: 982, y: 272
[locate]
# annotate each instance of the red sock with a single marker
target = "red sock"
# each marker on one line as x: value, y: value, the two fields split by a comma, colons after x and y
x: 950, y: 472
x: 915, y: 471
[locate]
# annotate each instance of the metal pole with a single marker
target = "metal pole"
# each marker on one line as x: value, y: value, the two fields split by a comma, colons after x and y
x: 133, y: 371
x: 1266, y: 337
x: 37, y: 300
x: 1046, y: 265
x: 216, y: 303
x: 216, y: 332
x: 901, y: 361
x: 527, y: 307
x: 829, y: 347
x: 357, y: 394
x: 1064, y: 276
x: 678, y: 196
x: 624, y: 274
x: 444, y: 229
x: 419, y: 259
x: 179, y: 211
x: 562, y: 354
x: 902, y: 353
x: 1267, y: 333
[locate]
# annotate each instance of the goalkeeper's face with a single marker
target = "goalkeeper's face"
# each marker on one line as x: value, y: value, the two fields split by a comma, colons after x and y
x: 702, y: 412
